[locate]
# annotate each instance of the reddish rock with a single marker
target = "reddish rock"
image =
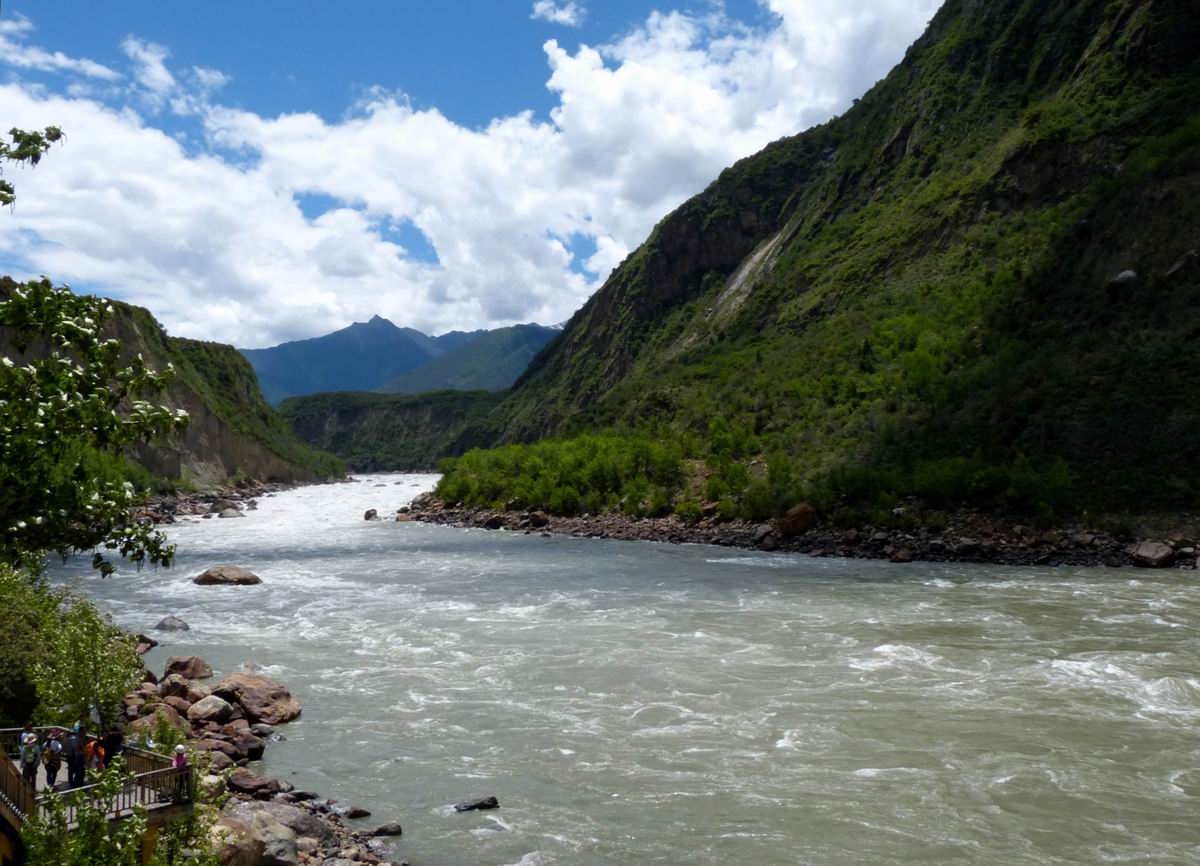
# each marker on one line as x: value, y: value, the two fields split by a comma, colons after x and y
x: 227, y: 575
x: 179, y: 705
x: 800, y: 518
x: 538, y: 519
x: 242, y: 781
x: 189, y: 667
x: 262, y: 700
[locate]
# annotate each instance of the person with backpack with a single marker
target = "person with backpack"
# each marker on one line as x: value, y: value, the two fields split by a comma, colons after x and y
x: 31, y: 755
x: 73, y: 755
x: 52, y: 757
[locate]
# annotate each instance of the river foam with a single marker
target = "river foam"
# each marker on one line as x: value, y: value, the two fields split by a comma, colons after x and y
x: 648, y: 703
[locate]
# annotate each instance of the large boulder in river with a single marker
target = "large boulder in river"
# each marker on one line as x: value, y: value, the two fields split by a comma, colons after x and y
x: 227, y: 575
x: 1153, y: 554
x: 263, y: 700
x: 189, y: 667
x: 477, y: 805
x: 231, y: 512
x: 799, y: 518
x: 172, y: 623
x: 210, y: 709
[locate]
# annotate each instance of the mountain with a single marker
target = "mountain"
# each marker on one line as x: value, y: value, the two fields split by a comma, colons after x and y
x: 360, y: 357
x: 232, y: 430
x: 977, y: 284
x: 490, y: 361
x: 452, y: 340
x: 374, y: 432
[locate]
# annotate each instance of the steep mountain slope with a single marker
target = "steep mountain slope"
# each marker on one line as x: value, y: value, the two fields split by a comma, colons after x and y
x: 492, y: 361
x: 232, y: 430
x: 388, y: 431
x: 979, y: 282
x: 360, y: 357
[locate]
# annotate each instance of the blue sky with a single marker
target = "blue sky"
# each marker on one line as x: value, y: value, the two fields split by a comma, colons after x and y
x: 254, y: 172
x: 472, y: 59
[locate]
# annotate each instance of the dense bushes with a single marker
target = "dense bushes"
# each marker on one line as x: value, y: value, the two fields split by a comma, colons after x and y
x: 642, y: 477
x: 587, y: 474
x: 62, y: 660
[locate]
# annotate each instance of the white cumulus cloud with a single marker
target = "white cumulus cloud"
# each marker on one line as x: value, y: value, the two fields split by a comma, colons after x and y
x: 526, y: 215
x: 15, y: 52
x: 570, y: 13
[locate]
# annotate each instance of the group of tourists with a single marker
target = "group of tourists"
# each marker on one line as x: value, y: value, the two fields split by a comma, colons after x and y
x: 74, y: 748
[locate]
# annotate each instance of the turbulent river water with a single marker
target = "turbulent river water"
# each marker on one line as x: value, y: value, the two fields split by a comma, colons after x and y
x: 637, y: 703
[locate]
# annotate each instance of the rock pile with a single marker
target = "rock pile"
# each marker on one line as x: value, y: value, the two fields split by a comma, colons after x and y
x: 916, y: 536
x: 265, y: 822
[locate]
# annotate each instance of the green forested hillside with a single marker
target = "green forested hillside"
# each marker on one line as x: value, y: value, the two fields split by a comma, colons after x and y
x: 979, y: 284
x: 389, y: 431
x: 491, y: 361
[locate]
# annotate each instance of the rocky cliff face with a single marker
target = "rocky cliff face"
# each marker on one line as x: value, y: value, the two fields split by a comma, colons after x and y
x: 991, y: 256
x: 232, y: 430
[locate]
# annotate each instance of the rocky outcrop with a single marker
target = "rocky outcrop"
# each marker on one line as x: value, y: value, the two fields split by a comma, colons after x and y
x: 477, y: 805
x: 188, y: 667
x: 964, y: 536
x: 262, y: 699
x: 800, y: 518
x: 227, y: 575
x: 172, y: 623
x: 1153, y: 554
x: 210, y: 709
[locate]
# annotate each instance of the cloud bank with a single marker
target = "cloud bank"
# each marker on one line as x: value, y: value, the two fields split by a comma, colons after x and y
x: 220, y: 237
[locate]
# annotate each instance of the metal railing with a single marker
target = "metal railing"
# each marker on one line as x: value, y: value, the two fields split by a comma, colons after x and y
x: 152, y: 782
x: 152, y: 790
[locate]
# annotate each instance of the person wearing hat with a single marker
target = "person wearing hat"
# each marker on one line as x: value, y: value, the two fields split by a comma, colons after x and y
x: 180, y: 762
x: 31, y: 754
x: 52, y: 757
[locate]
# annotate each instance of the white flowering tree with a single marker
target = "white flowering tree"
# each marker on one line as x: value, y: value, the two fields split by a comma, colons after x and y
x: 66, y: 396
x: 88, y: 665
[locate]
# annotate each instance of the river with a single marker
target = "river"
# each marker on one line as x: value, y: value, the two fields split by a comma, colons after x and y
x: 639, y: 703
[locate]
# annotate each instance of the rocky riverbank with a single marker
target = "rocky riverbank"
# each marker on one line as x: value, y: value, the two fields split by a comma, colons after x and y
x: 961, y: 537
x: 264, y: 821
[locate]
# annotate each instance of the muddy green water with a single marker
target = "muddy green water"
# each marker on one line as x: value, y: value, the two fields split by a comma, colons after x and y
x: 637, y: 703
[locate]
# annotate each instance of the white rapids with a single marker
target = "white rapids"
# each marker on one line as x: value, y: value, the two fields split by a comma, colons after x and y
x: 639, y: 703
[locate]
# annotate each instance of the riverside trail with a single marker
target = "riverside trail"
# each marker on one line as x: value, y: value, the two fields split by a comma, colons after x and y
x: 683, y: 704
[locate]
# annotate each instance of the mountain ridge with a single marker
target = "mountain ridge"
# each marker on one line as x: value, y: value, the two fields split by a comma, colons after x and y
x: 929, y: 292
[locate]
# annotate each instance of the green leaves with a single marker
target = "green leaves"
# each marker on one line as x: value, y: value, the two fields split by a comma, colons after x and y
x: 65, y: 400
x: 25, y: 147
x: 88, y: 664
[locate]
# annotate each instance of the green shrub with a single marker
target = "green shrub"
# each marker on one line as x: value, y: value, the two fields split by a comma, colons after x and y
x: 689, y: 512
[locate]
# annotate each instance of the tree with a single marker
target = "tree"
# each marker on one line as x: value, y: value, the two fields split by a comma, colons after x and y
x: 89, y: 664
x: 66, y: 399
x: 53, y: 839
